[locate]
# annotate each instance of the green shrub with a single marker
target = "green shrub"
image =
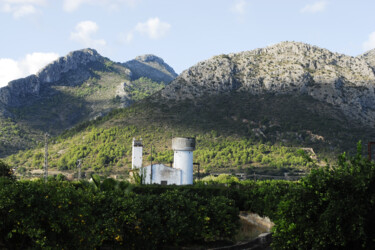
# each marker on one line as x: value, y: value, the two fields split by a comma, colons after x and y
x: 60, y: 214
x: 6, y: 171
x: 332, y: 208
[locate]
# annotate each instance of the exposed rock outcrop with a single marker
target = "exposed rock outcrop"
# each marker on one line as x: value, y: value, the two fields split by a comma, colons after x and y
x: 12, y: 94
x: 55, y: 71
x: 74, y: 69
x: 71, y: 68
x: 369, y: 57
x: 152, y: 67
x: 285, y: 68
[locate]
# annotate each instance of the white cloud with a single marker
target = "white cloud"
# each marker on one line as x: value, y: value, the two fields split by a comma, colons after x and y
x: 315, y: 7
x: 73, y: 5
x: 126, y: 37
x: 24, y: 10
x: 30, y: 64
x: 83, y: 34
x: 153, y: 28
x: 370, y: 43
x: 239, y: 7
x: 20, y: 8
x: 9, y: 70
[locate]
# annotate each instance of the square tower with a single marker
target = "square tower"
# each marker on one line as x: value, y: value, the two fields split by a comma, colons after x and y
x: 137, y: 154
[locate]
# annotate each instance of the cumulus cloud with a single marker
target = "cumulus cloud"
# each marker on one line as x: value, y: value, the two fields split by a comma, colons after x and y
x: 73, y: 5
x: 239, y: 7
x: 370, y: 43
x: 127, y: 37
x: 83, y: 34
x: 11, y: 69
x: 315, y: 7
x: 20, y: 8
x: 153, y: 28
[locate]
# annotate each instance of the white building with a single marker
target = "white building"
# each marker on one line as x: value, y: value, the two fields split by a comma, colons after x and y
x: 182, y: 171
x: 161, y: 174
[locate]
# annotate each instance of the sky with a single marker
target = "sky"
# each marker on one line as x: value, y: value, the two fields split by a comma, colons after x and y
x: 33, y: 33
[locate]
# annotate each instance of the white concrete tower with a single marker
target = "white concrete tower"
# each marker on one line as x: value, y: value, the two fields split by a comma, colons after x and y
x: 137, y: 154
x: 183, y: 158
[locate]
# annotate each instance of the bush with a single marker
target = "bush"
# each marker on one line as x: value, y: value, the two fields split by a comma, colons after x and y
x: 60, y: 214
x: 332, y: 208
x: 6, y: 171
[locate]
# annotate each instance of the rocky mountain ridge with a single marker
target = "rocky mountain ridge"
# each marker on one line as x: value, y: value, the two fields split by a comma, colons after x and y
x: 73, y: 66
x: 286, y: 68
x: 77, y: 67
x: 369, y: 57
x: 78, y: 87
x: 152, y: 67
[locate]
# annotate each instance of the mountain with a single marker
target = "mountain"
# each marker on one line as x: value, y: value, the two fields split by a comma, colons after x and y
x: 81, y: 86
x: 152, y: 67
x: 286, y: 68
x: 369, y: 57
x: 249, y: 111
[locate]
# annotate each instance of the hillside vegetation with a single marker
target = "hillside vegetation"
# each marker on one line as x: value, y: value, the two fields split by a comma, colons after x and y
x: 261, y: 109
x: 239, y: 132
x: 76, y: 88
x: 331, y: 208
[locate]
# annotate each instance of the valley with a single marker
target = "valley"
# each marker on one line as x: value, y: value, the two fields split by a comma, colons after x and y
x: 253, y: 112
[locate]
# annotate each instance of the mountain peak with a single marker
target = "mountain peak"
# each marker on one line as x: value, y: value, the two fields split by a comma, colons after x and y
x: 284, y: 68
x: 73, y: 66
x: 151, y: 66
x: 295, y: 48
x: 52, y: 72
x: 149, y: 58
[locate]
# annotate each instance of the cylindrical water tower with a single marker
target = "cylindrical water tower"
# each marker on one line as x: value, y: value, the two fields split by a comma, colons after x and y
x: 183, y: 158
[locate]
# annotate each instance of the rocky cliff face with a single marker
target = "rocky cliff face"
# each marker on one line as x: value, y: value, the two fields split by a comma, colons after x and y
x: 369, y: 57
x: 152, y: 67
x: 80, y: 86
x: 73, y: 61
x: 71, y: 70
x: 286, y: 68
x: 77, y: 67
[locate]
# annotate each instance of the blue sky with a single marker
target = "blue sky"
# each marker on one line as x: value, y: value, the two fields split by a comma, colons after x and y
x: 182, y: 32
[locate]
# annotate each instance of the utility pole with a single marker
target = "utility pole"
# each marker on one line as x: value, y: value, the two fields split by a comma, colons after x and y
x: 151, y: 167
x: 79, y: 162
x: 369, y: 149
x: 198, y: 164
x: 46, y: 157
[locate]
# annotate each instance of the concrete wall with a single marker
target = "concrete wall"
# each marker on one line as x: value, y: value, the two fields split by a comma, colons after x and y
x: 161, y: 173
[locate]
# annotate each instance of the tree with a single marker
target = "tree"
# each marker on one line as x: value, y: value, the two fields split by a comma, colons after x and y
x: 6, y: 171
x: 332, y: 208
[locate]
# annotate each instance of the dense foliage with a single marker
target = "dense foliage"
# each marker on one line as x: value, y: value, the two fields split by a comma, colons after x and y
x: 142, y: 87
x: 84, y: 216
x: 105, y: 150
x: 332, y: 208
x: 6, y: 171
